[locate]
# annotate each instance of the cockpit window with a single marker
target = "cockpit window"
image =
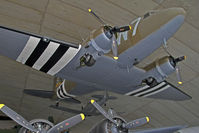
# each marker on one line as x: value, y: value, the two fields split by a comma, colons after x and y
x: 148, y: 14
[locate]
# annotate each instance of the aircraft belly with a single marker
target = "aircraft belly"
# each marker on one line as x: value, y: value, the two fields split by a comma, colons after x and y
x: 150, y: 43
x: 104, y: 74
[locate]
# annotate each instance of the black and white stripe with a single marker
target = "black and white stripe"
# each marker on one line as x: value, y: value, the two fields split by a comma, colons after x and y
x: 62, y: 93
x: 148, y: 91
x: 45, y: 55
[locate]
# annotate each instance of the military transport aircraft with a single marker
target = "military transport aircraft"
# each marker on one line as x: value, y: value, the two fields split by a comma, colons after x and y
x: 89, y: 66
x: 112, y: 124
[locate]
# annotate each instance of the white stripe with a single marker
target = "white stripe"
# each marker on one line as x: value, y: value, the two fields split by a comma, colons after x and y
x: 58, y: 95
x: 64, y: 90
x: 63, y: 86
x: 158, y: 86
x: 164, y: 88
x: 49, y: 51
x: 28, y: 49
x: 66, y: 58
x: 137, y: 90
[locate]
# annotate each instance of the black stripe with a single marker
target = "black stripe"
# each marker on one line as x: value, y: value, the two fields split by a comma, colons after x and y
x: 140, y: 91
x: 63, y: 91
x: 61, y: 50
x: 42, y: 45
x: 144, y: 90
x: 60, y: 93
x: 153, y: 90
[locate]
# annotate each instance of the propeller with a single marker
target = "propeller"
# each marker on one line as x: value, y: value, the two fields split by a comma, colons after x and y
x: 112, y: 32
x: 55, y: 129
x: 137, y: 123
x: 17, y: 118
x: 124, y: 126
x: 102, y: 111
x: 66, y: 124
x: 175, y: 61
x: 177, y: 69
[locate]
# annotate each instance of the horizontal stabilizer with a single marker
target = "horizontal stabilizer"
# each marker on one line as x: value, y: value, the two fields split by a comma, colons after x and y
x: 163, y: 90
x: 49, y: 95
x: 39, y: 93
x: 162, y: 130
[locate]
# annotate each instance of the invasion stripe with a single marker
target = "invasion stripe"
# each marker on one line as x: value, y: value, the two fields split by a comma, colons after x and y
x: 150, y: 89
x: 147, y: 89
x: 67, y: 57
x: 54, y: 58
x: 28, y: 49
x: 59, y: 94
x: 153, y: 93
x: 134, y: 91
x: 37, y: 52
x: 50, y: 50
x: 154, y: 90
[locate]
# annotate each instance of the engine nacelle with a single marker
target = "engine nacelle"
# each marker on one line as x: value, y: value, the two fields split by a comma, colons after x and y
x: 42, y: 125
x: 101, y: 40
x: 99, y: 43
x: 161, y: 68
x: 189, y: 130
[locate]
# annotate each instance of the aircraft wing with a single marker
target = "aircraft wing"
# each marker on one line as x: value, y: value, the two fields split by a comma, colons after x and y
x: 161, y: 130
x: 163, y: 90
x: 42, y: 53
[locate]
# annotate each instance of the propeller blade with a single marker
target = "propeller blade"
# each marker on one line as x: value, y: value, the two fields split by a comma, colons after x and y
x: 179, y: 59
x: 121, y: 29
x: 114, y: 47
x: 178, y: 75
x: 67, y: 124
x: 102, y: 111
x: 112, y: 113
x: 17, y: 118
x: 137, y: 123
x: 98, y: 18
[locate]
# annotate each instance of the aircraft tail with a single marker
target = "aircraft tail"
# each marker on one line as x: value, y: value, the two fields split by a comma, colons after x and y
x: 62, y: 92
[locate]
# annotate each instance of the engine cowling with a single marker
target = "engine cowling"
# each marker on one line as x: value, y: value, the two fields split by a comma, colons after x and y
x: 101, y: 39
x: 99, y: 43
x: 40, y: 124
x: 161, y: 68
x: 107, y: 126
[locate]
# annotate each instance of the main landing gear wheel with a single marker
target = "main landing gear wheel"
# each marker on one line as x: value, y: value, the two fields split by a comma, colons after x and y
x: 40, y: 124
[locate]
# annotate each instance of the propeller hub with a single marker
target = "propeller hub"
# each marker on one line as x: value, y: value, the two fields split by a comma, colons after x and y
x: 174, y: 61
